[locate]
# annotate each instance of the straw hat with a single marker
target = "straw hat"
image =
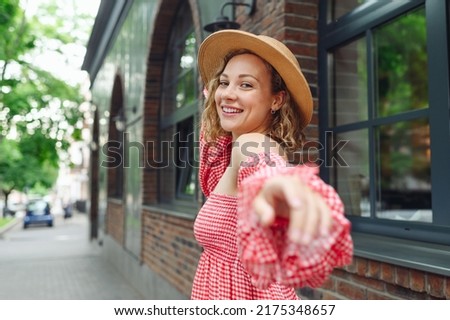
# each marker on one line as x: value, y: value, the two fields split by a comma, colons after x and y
x: 217, y: 45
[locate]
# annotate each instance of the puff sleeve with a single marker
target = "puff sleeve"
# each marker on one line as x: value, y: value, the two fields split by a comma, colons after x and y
x: 214, y: 160
x: 266, y: 252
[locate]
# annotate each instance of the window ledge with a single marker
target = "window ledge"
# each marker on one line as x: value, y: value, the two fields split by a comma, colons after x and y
x: 423, y: 256
x: 115, y: 200
x: 179, y: 211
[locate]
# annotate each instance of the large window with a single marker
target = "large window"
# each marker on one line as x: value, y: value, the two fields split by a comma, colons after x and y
x: 115, y: 150
x: 336, y: 9
x: 381, y: 105
x: 179, y: 111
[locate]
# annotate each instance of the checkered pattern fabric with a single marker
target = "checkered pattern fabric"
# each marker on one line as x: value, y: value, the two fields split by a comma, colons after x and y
x: 242, y: 260
x: 267, y: 253
x: 214, y: 160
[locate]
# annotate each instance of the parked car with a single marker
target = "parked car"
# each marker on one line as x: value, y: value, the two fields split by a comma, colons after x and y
x: 38, y: 212
x: 68, y: 209
x: 12, y: 208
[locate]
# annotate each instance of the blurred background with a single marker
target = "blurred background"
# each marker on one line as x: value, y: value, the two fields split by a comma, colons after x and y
x: 44, y: 103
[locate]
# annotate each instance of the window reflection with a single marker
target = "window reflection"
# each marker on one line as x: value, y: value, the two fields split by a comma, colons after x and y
x: 402, y: 72
x: 178, y: 106
x: 338, y: 8
x: 348, y: 87
x: 186, y: 78
x: 352, y: 180
x: 179, y: 75
x: 185, y: 160
x: 404, y: 186
x: 400, y: 170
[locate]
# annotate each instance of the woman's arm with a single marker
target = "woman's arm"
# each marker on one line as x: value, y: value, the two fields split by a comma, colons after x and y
x: 291, y: 224
x: 283, y: 195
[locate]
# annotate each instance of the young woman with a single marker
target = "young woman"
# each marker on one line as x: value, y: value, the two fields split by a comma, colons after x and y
x: 267, y: 226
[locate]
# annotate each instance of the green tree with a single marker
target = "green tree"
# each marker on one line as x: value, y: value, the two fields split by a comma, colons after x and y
x: 402, y: 87
x: 39, y: 112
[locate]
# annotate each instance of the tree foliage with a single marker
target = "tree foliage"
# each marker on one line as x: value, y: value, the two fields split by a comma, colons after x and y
x: 402, y: 87
x: 39, y: 112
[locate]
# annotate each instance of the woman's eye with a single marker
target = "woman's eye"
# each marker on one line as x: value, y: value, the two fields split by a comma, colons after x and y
x: 246, y: 85
x: 223, y: 83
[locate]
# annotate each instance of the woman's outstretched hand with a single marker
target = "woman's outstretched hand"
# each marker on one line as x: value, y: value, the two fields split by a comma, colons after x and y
x: 287, y: 196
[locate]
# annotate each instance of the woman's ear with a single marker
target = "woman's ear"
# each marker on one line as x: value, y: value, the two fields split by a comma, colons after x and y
x: 278, y: 100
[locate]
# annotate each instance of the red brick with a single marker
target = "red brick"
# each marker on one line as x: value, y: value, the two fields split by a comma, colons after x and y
x: 402, y: 277
x: 373, y: 269
x: 404, y: 293
x: 368, y: 282
x: 350, y: 291
x: 417, y: 280
x: 302, y: 37
x: 387, y: 273
x: 329, y: 284
x: 373, y: 295
x: 330, y: 296
x: 435, y: 285
x: 302, y: 10
x: 304, y: 51
x: 447, y: 288
x: 361, y: 266
x: 115, y: 221
x: 302, y: 23
x: 169, y: 248
x: 340, y: 273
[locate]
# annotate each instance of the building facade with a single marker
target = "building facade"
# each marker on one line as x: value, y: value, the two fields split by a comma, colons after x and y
x: 379, y: 74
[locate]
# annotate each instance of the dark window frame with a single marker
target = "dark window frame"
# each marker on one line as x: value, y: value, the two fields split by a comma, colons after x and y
x: 351, y: 26
x: 178, y: 115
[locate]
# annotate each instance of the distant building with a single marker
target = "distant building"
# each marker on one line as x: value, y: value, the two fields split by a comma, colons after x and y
x: 379, y: 74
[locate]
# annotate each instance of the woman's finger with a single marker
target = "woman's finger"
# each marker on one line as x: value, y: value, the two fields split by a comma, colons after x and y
x: 310, y: 218
x: 291, y: 194
x: 264, y: 210
x: 326, y: 219
x: 308, y: 213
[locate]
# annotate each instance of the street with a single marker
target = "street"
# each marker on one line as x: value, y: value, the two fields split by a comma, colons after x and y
x: 57, y: 263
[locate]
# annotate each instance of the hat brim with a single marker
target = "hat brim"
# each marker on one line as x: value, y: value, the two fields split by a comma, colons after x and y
x: 216, y: 46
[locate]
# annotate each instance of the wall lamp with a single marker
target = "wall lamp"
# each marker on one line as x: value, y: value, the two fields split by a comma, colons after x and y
x: 223, y: 22
x: 120, y: 120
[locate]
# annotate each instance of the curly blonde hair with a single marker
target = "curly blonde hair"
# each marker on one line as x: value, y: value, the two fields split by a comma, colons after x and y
x: 285, y: 127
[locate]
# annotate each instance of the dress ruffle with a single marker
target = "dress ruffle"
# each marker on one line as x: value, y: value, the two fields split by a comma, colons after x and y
x: 267, y: 253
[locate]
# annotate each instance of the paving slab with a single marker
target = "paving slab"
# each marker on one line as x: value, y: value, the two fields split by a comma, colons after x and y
x: 58, y: 263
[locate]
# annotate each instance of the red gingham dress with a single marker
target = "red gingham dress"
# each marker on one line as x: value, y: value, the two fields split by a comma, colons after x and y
x: 242, y: 260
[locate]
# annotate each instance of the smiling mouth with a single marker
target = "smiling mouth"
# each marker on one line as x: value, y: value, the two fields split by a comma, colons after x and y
x: 231, y: 110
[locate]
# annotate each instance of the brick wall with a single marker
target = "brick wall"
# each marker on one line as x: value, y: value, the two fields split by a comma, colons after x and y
x: 155, y: 66
x: 294, y: 22
x: 115, y: 221
x: 374, y: 280
x: 168, y: 244
x: 169, y: 248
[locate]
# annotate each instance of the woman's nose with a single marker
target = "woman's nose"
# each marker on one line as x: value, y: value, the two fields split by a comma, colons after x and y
x: 229, y: 93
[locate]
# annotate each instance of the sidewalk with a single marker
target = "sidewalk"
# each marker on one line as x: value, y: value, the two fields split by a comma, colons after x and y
x: 8, y: 226
x: 57, y: 263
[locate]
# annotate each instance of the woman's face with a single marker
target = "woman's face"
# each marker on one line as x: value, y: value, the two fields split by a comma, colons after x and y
x: 244, y: 98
